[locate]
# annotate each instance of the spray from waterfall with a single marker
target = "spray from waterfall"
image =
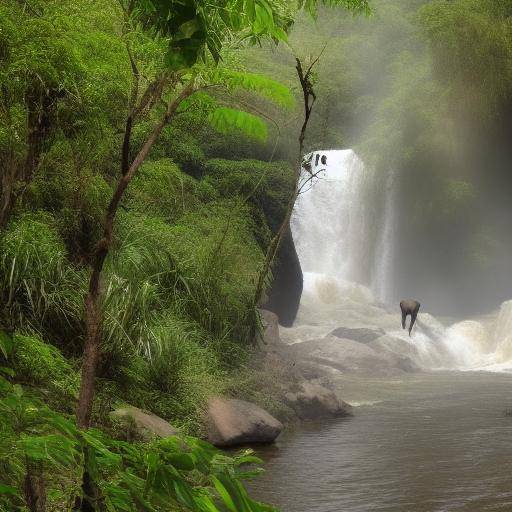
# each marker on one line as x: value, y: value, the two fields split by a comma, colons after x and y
x: 383, y: 281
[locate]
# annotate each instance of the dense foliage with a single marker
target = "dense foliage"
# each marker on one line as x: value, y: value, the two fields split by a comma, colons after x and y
x: 96, y: 96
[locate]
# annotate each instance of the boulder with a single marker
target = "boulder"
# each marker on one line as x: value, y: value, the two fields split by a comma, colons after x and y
x: 315, y: 401
x: 233, y: 422
x: 360, y: 334
x: 270, y: 323
x: 148, y: 425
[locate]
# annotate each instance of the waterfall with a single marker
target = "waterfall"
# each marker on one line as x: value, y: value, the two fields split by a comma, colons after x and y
x: 331, y: 228
x: 328, y: 219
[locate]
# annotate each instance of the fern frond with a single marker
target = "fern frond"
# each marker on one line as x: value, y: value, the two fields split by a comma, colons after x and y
x: 258, y: 84
x: 227, y: 120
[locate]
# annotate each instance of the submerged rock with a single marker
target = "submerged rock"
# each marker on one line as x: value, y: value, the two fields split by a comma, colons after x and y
x: 360, y: 334
x: 233, y: 422
x: 147, y: 424
x: 315, y: 401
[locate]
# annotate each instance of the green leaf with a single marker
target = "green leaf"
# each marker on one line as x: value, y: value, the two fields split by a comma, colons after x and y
x: 228, y: 120
x: 184, y: 494
x: 54, y: 449
x: 224, y: 494
x: 181, y: 461
x: 259, y: 84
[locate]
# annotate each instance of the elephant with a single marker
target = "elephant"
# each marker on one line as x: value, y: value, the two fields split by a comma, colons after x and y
x: 409, y: 307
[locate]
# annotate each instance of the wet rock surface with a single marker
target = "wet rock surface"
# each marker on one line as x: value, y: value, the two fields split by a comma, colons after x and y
x: 233, y: 422
x: 313, y: 401
x: 360, y: 334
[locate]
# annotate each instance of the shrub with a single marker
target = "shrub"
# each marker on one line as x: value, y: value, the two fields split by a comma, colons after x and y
x: 41, y: 365
x: 162, y: 189
x: 168, y: 474
x: 268, y: 186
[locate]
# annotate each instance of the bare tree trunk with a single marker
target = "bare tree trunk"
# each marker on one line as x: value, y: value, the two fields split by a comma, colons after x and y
x: 93, y: 314
x: 41, y: 107
x: 34, y: 490
x: 8, y: 181
x: 309, y: 98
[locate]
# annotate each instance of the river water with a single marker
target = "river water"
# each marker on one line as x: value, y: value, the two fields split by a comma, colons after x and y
x: 433, y: 442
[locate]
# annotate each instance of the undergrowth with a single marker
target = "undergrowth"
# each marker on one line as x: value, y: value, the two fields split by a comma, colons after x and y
x: 178, y: 286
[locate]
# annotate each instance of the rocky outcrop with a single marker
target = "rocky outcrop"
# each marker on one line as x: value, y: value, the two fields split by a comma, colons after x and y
x: 285, y: 292
x: 328, y: 357
x: 234, y: 422
x: 314, y: 401
x: 147, y: 425
x: 361, y: 334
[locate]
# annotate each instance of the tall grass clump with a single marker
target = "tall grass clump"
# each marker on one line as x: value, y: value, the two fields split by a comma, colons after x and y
x: 218, y: 263
x: 140, y: 282
x: 41, y: 290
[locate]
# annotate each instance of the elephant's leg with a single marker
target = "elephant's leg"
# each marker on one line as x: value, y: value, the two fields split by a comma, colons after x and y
x: 414, y: 314
x: 404, y: 316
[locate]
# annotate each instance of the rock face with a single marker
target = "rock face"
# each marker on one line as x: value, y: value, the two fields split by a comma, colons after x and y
x: 284, y: 295
x: 235, y: 422
x: 148, y: 425
x: 362, y: 334
x: 314, y: 401
x: 329, y: 356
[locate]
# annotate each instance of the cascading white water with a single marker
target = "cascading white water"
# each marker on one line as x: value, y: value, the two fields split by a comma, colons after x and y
x: 333, y: 241
x: 382, y: 284
x: 328, y: 219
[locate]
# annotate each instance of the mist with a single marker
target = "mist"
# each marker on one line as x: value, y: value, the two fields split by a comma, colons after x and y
x: 421, y: 89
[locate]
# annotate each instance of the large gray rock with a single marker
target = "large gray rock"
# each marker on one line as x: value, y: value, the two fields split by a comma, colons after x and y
x: 331, y: 357
x: 233, y: 422
x: 360, y: 334
x: 148, y: 425
x: 315, y: 401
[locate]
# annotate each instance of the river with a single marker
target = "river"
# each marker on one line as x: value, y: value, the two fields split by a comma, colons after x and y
x: 432, y: 442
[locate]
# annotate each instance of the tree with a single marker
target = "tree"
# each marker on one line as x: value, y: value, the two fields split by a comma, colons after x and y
x: 194, y: 33
x: 52, y: 56
x: 173, y: 91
